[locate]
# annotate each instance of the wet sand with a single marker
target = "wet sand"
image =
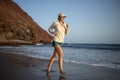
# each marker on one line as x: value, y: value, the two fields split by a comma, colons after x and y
x: 20, y: 67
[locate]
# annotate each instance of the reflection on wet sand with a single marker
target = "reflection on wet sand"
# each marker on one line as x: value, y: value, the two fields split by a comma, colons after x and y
x: 60, y: 77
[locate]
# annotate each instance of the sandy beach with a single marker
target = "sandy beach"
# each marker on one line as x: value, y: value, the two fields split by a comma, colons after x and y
x: 20, y: 67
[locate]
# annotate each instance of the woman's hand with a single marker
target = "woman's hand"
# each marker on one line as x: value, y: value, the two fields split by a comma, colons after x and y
x: 55, y: 33
x: 67, y: 29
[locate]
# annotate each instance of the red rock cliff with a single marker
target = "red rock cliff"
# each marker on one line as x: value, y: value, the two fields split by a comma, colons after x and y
x: 17, y: 27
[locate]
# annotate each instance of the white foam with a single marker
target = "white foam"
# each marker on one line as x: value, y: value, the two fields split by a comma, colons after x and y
x: 107, y: 65
x: 102, y: 58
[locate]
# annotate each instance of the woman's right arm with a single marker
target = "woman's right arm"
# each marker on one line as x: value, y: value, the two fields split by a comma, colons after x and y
x: 51, y: 29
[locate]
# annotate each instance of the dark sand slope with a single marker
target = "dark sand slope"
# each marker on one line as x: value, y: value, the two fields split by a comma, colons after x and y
x: 19, y: 67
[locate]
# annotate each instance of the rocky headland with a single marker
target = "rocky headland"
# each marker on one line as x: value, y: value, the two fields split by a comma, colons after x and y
x: 17, y: 27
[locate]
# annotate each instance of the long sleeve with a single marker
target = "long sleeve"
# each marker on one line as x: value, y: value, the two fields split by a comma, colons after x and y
x: 59, y: 30
x: 67, y: 30
x: 51, y: 29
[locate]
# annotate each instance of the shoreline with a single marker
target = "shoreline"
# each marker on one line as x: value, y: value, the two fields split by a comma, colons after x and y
x: 20, y: 67
x: 15, y: 42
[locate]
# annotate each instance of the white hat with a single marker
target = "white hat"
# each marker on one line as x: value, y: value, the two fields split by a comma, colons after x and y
x: 61, y: 14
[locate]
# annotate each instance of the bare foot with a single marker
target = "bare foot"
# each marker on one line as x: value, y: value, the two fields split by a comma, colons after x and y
x: 62, y: 72
x: 48, y: 71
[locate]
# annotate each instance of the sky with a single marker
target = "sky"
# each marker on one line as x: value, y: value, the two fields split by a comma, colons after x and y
x: 90, y: 21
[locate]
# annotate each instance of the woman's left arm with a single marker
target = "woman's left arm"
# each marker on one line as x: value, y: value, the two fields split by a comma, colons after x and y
x: 67, y: 30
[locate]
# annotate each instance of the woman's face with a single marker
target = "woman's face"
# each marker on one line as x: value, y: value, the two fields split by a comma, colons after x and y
x: 61, y: 18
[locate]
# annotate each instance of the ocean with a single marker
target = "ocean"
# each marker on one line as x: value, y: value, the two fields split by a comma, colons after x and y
x: 102, y: 55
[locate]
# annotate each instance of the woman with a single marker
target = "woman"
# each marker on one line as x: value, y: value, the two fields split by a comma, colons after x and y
x: 58, y: 29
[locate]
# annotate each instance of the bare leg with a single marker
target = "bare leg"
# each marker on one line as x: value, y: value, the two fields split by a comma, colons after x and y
x: 59, y: 51
x: 52, y: 60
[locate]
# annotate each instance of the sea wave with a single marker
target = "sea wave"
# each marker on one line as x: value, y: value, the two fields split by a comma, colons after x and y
x: 107, y: 65
x: 94, y: 57
x: 94, y: 46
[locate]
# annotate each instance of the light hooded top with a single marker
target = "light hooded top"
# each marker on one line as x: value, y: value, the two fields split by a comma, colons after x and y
x: 60, y: 30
